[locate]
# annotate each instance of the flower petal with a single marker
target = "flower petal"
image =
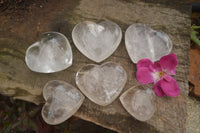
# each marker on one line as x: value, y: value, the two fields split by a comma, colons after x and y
x: 167, y: 77
x: 157, y: 67
x: 144, y: 63
x: 169, y: 63
x: 159, y: 92
x: 173, y: 72
x: 144, y: 75
x: 169, y: 86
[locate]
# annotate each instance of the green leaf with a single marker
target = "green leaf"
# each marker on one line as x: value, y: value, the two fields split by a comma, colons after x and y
x: 194, y: 37
x: 7, y: 129
x: 66, y: 131
x: 6, y: 123
x: 7, y: 108
x: 195, y: 27
x: 25, y: 122
x: 32, y: 124
x: 16, y: 124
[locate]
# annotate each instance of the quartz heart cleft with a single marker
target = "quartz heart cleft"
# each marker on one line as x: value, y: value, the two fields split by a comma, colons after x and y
x: 102, y: 84
x: 97, y: 41
x: 62, y: 101
x: 139, y: 102
x: 51, y: 53
x: 143, y: 42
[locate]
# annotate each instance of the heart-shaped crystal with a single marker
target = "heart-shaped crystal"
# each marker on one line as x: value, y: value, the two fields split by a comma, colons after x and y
x: 51, y: 53
x: 143, y: 42
x: 97, y: 41
x: 139, y: 102
x: 101, y: 84
x: 62, y: 101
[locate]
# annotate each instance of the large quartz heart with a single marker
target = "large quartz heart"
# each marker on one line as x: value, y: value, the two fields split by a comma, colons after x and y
x: 97, y: 41
x: 143, y: 42
x: 101, y: 84
x: 51, y: 53
x: 62, y: 101
x: 139, y: 102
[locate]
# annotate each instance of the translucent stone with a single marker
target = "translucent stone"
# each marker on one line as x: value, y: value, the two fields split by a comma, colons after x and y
x: 102, y: 84
x: 139, y: 102
x: 143, y: 42
x: 97, y: 41
x: 62, y: 101
x: 51, y: 53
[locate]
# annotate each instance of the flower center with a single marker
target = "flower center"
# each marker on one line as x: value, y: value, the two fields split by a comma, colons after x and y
x: 158, y: 75
x: 161, y: 74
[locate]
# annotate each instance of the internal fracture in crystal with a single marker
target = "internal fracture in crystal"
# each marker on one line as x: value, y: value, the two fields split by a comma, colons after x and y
x: 51, y: 53
x: 97, y: 41
x: 62, y: 101
x: 139, y: 102
x: 143, y: 42
x: 102, y: 84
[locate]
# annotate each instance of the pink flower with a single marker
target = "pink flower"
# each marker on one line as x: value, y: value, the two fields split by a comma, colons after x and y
x: 158, y: 72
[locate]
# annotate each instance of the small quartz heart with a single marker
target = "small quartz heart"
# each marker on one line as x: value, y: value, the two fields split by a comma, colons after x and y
x: 102, y: 84
x: 97, y: 41
x: 62, y: 101
x: 51, y: 53
x: 139, y: 102
x: 143, y: 42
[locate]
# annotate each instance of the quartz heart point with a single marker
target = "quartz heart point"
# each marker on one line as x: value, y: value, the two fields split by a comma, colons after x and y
x: 51, y: 53
x: 97, y: 41
x: 62, y: 101
x: 143, y: 42
x: 102, y: 84
x: 139, y: 102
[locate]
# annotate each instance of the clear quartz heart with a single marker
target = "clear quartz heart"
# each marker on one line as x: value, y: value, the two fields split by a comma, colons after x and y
x: 102, y: 84
x: 51, y: 53
x: 97, y: 41
x: 139, y: 102
x: 143, y: 42
x: 62, y: 101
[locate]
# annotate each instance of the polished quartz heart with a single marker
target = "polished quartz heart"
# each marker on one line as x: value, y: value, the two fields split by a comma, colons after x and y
x: 139, y: 102
x: 143, y: 42
x: 51, y: 53
x: 62, y: 101
x: 101, y: 83
x: 97, y: 41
